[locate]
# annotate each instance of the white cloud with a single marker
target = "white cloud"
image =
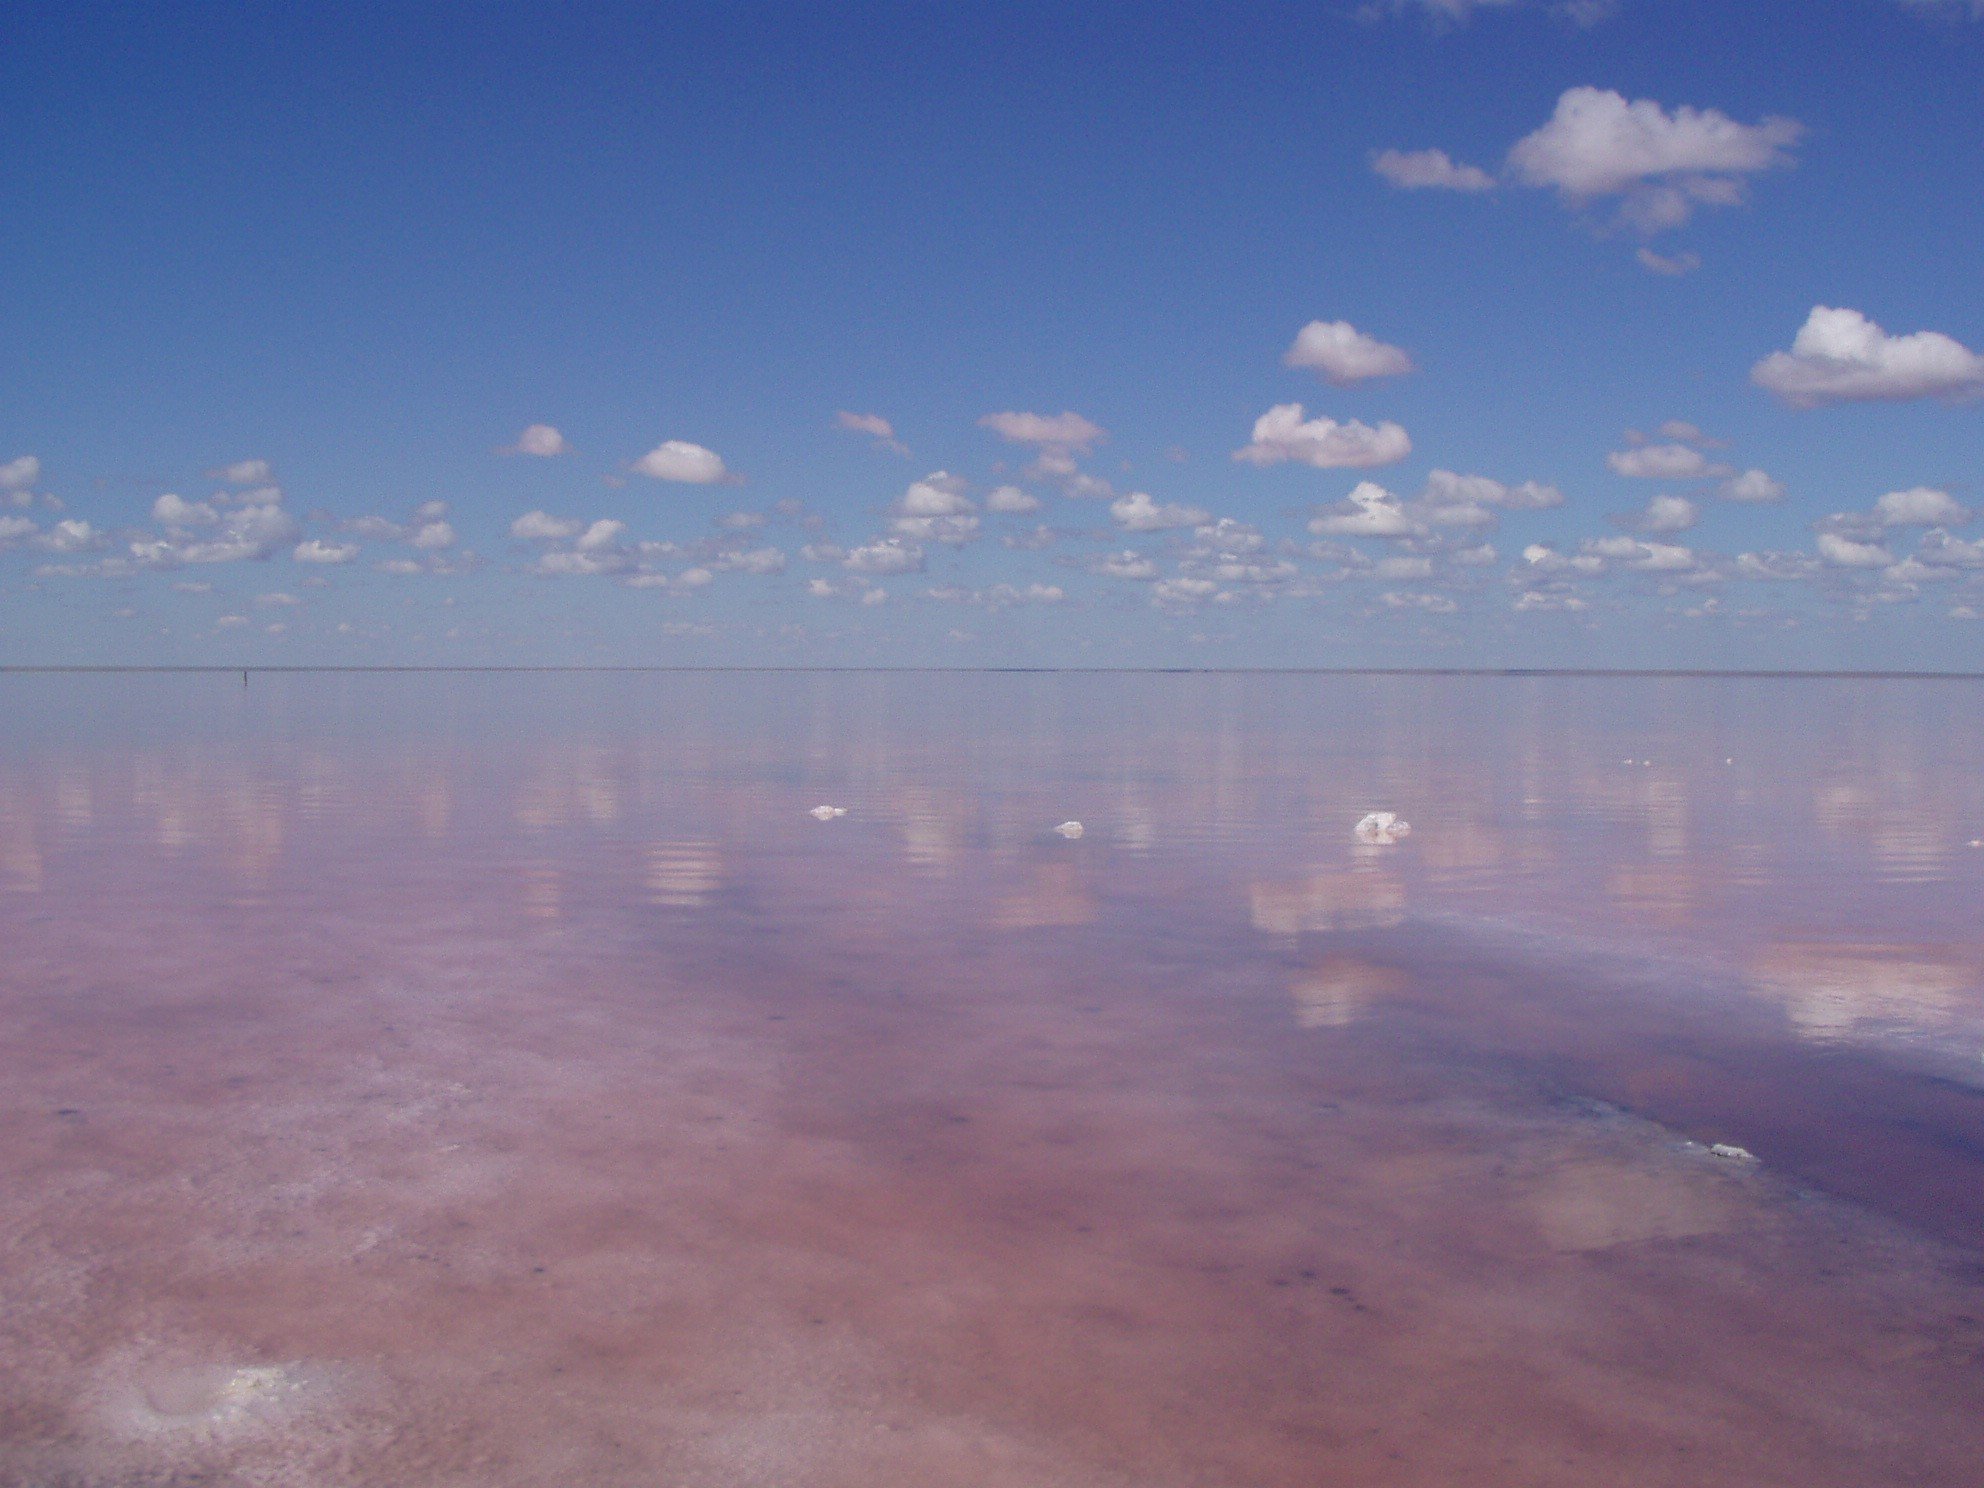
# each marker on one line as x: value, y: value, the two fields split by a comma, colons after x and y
x: 541, y: 440
x: 539, y: 526
x: 1649, y: 557
x: 1536, y: 600
x: 1429, y: 170
x: 1125, y: 565
x: 1666, y: 514
x: 875, y: 427
x: 1182, y: 591
x: 1369, y: 511
x: 752, y: 561
x: 1340, y: 353
x: 175, y: 511
x: 268, y: 601
x: 1782, y: 567
x: 316, y: 550
x: 1454, y: 500
x: 1920, y: 506
x: 1139, y: 513
x: 1546, y: 559
x: 679, y: 460
x: 1941, y: 548
x: 251, y: 529
x: 888, y: 555
x: 1752, y: 485
x: 20, y: 473
x: 1672, y: 265
x: 70, y: 536
x: 1843, y: 552
x: 13, y: 529
x: 952, y: 531
x: 1840, y: 356
x: 999, y: 596
x: 1011, y: 499
x: 244, y: 473
x: 433, y: 536
x: 1281, y: 434
x: 938, y: 494
x: 1061, y: 431
x: 1403, y: 568
x: 601, y: 536
x: 1664, y: 462
x: 1663, y: 164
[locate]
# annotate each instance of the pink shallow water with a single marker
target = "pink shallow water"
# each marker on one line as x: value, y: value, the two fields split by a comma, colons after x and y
x: 418, y: 1080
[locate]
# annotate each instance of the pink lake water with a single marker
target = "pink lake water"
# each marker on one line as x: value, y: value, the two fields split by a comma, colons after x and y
x: 466, y: 1081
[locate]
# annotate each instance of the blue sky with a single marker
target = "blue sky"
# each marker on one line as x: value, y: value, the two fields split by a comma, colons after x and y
x: 312, y: 275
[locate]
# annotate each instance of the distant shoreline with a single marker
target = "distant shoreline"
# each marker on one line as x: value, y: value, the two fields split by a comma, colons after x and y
x: 1731, y: 673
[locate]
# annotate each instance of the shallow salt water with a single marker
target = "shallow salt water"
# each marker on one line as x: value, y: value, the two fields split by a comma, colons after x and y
x: 498, y: 1080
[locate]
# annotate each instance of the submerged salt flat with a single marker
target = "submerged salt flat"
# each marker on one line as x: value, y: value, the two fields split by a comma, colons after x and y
x: 498, y: 1081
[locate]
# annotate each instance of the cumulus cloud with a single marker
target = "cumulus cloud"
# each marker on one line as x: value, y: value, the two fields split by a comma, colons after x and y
x: 18, y: 475
x: 1012, y: 500
x: 888, y: 555
x: 679, y: 460
x: 875, y: 427
x: 1920, y: 506
x: 1538, y: 600
x: 1751, y: 485
x: 175, y: 511
x: 1138, y: 513
x: 1454, y: 500
x: 540, y: 526
x: 1282, y: 434
x: 1661, y: 163
x: 1068, y: 432
x: 1547, y: 559
x: 14, y: 530
x: 1845, y: 552
x: 1664, y: 462
x: 1780, y: 567
x: 1429, y: 170
x: 432, y: 536
x: 1648, y: 557
x: 317, y: 550
x: 71, y: 535
x: 1369, y: 511
x: 1840, y: 356
x: 252, y: 526
x: 1124, y: 565
x: 1182, y: 591
x: 541, y: 440
x: 938, y: 494
x: 999, y: 596
x: 1340, y: 353
x: 1436, y: 604
x: 1665, y: 514
x: 244, y: 473
x: 764, y: 561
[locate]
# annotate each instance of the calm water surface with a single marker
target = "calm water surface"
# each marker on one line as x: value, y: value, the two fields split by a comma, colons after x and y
x: 470, y: 1081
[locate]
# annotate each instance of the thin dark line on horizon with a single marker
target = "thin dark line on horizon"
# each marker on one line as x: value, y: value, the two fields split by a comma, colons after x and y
x: 1646, y: 672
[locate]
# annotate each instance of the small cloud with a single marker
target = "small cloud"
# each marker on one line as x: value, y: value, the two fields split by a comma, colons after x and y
x: 1920, y: 506
x: 1664, y: 462
x: 1067, y: 432
x: 1124, y: 565
x: 1341, y: 354
x: 1282, y: 434
x: 875, y: 427
x: 1369, y: 511
x: 1661, y: 164
x: 679, y: 460
x: 538, y: 526
x: 316, y: 550
x: 1011, y: 500
x: 541, y: 440
x: 1673, y: 265
x: 1138, y: 513
x: 1429, y: 170
x: 1840, y: 356
x: 1844, y: 552
x: 20, y: 473
x: 244, y: 473
x: 270, y: 601
x: 1752, y: 485
x: 1665, y: 514
x: 888, y: 555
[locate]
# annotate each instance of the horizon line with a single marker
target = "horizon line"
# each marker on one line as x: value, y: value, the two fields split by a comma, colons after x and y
x: 215, y: 669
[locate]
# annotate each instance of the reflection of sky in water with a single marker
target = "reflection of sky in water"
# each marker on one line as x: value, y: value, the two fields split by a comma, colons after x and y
x: 419, y: 983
